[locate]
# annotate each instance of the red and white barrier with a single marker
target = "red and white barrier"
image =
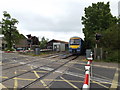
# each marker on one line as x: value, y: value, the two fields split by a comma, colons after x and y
x: 8, y: 51
x: 86, y: 84
x: 86, y: 80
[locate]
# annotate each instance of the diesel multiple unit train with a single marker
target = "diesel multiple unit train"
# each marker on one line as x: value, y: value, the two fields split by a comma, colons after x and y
x: 76, y: 45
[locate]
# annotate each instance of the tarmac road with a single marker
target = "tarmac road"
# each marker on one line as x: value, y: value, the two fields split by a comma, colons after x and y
x: 70, y: 76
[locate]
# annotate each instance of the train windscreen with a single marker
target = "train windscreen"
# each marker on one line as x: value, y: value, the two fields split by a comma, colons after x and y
x: 74, y: 41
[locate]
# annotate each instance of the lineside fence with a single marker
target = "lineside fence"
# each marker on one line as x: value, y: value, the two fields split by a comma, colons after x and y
x: 88, y: 73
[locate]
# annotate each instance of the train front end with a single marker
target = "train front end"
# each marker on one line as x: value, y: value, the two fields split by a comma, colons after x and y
x: 75, y: 45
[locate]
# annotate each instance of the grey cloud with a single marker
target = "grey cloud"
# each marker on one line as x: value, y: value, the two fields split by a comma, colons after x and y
x: 69, y: 22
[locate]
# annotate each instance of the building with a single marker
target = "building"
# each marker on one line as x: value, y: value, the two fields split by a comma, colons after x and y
x: 57, y: 45
x: 3, y: 43
x: 22, y: 44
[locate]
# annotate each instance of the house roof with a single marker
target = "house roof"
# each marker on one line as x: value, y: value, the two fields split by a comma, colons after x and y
x: 53, y: 40
x: 22, y: 43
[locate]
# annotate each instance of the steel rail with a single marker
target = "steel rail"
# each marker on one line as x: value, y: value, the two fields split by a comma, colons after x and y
x: 28, y: 85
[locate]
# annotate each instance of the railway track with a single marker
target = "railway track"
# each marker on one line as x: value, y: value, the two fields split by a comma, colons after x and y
x: 38, y: 79
x: 25, y: 63
x: 22, y: 62
x: 39, y: 68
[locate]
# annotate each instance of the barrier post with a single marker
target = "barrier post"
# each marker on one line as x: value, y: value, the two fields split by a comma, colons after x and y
x: 88, y: 73
x: 86, y: 84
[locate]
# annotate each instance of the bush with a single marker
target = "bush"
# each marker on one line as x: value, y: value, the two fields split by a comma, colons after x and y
x: 9, y: 49
x: 113, y: 56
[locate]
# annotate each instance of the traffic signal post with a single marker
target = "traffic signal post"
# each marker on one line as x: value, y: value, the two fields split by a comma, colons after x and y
x: 97, y: 50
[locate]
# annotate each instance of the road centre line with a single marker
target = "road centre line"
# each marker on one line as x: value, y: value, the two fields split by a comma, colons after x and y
x: 70, y: 83
x: 39, y: 77
x: 115, y: 80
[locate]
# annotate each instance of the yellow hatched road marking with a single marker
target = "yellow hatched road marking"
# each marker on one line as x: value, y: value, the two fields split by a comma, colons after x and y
x: 62, y: 80
x: 33, y: 71
x: 115, y: 80
x: 3, y: 77
x: 39, y: 77
x: 24, y: 79
x: 19, y: 78
x: 105, y: 82
x: 15, y: 82
x: 46, y: 79
x: 100, y: 84
x: 70, y: 83
x: 1, y: 63
x: 2, y: 86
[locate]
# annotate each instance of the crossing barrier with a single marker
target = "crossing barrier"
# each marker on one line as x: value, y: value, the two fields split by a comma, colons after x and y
x: 88, y: 71
x: 86, y: 84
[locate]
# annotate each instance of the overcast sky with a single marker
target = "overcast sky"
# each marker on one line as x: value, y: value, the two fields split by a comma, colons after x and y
x: 54, y: 19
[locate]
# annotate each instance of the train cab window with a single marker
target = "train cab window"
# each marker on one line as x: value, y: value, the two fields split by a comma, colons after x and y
x: 74, y: 41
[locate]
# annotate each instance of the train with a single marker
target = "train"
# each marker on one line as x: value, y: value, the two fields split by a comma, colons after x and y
x: 76, y: 45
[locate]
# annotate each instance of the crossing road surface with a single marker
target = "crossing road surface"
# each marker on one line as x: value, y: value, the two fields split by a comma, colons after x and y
x: 52, y: 71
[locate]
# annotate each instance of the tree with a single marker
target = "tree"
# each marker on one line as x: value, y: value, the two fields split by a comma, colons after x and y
x: 9, y: 30
x: 97, y: 18
x: 110, y: 42
x: 43, y: 43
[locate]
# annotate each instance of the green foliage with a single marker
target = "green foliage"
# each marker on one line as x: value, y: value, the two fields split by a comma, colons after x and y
x: 113, y: 56
x: 110, y: 42
x: 110, y: 38
x: 43, y: 43
x: 9, y: 30
x: 9, y: 49
x: 97, y: 18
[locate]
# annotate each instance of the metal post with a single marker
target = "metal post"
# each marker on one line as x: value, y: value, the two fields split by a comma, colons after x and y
x: 91, y: 64
x: 96, y: 45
